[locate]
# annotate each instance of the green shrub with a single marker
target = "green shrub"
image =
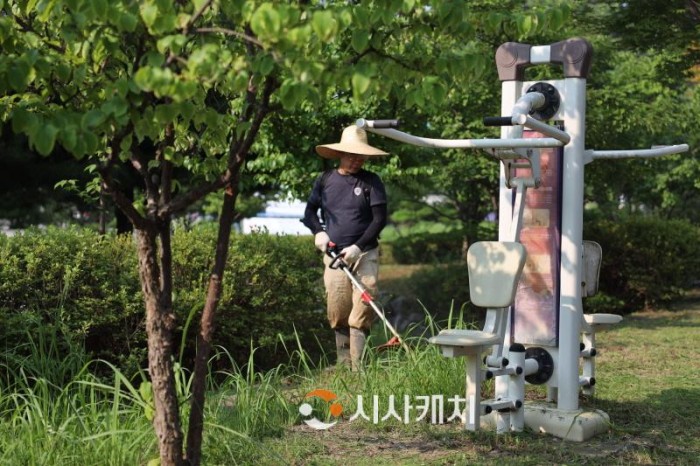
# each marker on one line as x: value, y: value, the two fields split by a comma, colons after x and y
x: 273, y: 292
x: 87, y: 286
x: 76, y: 282
x: 443, y: 290
x: 426, y: 247
x: 646, y: 262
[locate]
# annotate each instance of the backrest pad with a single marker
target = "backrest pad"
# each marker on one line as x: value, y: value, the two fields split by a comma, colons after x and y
x: 494, y: 272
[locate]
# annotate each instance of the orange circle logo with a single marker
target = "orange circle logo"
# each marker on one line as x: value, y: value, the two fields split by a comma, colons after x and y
x: 335, y: 409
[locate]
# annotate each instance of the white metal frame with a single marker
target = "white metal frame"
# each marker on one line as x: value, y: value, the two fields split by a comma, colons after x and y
x: 565, y: 383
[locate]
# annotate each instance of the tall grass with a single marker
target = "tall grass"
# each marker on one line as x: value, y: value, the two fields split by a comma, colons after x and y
x: 55, y: 410
x: 402, y: 375
x: 57, y: 407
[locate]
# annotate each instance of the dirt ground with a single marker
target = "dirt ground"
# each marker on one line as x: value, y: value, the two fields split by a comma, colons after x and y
x: 449, y: 444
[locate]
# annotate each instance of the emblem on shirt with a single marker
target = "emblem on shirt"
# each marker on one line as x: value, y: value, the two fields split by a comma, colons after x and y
x: 357, y: 191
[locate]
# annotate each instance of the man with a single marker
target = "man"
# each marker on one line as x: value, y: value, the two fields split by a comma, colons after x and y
x: 353, y: 207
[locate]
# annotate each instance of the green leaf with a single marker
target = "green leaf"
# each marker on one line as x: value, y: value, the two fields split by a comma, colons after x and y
x: 493, y: 22
x: 69, y: 138
x: 166, y: 113
x: 198, y: 4
x: 125, y: 144
x: 144, y: 78
x: 300, y: 35
x: 524, y: 24
x: 159, y: 17
x: 187, y: 110
x: 266, y: 65
x: 116, y: 106
x: 149, y: 13
x: 324, y: 25
x: 266, y: 21
x: 20, y: 75
x: 127, y: 22
x: 556, y: 19
x: 30, y: 6
x: 360, y: 39
x: 62, y: 71
x: 434, y: 90
x: 91, y: 142
x: 173, y: 42
x: 92, y: 118
x: 291, y: 93
x: 360, y: 84
x: 100, y: 7
x: 362, y: 15
x: 24, y: 122
x: 44, y: 139
x: 407, y: 6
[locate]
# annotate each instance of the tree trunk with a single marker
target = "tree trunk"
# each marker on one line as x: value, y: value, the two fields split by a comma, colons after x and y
x: 160, y: 322
x: 206, y: 330
x: 102, y: 228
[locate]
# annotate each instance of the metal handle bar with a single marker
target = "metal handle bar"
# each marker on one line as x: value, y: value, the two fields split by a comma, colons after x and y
x: 498, y: 121
x: 621, y: 154
x: 469, y: 143
x: 529, y: 101
x: 521, y: 116
x: 379, y: 124
x: 462, y: 143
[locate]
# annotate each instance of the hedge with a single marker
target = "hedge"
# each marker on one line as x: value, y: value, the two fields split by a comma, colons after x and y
x: 647, y: 262
x: 86, y: 286
x: 432, y: 248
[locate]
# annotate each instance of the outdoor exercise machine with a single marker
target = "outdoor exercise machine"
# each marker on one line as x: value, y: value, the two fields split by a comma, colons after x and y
x: 532, y: 280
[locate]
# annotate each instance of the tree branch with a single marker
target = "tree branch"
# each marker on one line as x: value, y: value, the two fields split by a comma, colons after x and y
x: 27, y: 27
x: 115, y: 146
x: 262, y: 111
x: 230, y: 32
x: 124, y: 204
x: 181, y: 202
x: 141, y: 165
x: 693, y: 9
x: 196, y: 16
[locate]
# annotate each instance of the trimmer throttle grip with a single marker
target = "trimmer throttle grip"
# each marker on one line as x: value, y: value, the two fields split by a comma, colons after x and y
x: 337, y: 262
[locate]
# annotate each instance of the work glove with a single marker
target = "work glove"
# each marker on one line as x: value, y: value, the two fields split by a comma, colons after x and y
x: 321, y: 241
x: 351, y: 254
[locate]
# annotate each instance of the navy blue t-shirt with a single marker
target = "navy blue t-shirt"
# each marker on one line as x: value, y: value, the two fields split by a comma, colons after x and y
x: 347, y: 202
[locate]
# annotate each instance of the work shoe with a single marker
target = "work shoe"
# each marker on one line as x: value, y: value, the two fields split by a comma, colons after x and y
x: 342, y: 346
x: 358, y: 338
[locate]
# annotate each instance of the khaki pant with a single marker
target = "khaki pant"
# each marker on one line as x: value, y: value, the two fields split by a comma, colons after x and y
x: 344, y: 303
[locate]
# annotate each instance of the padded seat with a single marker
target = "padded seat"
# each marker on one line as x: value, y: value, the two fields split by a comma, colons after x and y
x: 466, y: 338
x: 591, y: 322
x: 494, y: 273
x: 454, y: 343
x: 602, y: 319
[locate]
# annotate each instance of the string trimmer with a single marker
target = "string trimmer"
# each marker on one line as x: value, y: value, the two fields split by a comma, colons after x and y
x: 339, y: 263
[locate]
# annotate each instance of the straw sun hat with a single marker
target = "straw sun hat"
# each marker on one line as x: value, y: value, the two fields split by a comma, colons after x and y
x: 353, y: 141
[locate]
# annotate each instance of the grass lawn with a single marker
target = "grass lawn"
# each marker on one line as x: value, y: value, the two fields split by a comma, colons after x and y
x: 648, y: 372
x: 648, y: 381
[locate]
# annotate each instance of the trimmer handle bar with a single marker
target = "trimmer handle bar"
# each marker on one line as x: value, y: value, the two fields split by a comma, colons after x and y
x: 337, y: 262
